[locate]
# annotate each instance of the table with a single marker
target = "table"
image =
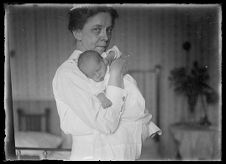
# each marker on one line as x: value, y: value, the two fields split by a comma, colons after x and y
x: 195, y: 142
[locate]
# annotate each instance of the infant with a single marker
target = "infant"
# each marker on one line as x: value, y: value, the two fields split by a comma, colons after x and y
x: 135, y: 124
x: 95, y: 67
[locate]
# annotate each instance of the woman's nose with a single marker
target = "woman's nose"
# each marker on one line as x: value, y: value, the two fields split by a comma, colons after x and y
x: 104, y: 35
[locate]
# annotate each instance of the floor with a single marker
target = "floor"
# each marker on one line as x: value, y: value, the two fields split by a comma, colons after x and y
x: 150, y: 151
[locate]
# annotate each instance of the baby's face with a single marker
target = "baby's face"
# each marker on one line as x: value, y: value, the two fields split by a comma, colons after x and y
x: 96, y: 70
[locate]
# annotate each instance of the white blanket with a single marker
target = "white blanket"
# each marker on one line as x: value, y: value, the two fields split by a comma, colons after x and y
x: 93, y: 128
x: 135, y: 125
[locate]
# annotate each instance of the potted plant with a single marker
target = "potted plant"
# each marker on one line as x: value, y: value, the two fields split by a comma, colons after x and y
x: 193, y: 84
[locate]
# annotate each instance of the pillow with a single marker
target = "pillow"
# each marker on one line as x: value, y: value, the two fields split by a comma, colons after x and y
x: 37, y: 140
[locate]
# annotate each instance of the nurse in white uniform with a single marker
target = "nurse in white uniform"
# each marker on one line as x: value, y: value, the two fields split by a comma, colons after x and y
x: 80, y: 112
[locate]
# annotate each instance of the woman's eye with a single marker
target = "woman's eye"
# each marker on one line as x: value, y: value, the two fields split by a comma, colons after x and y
x: 109, y: 30
x: 97, y: 30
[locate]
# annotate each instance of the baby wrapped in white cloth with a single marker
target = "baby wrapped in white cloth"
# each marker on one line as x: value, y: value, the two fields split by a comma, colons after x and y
x: 135, y: 123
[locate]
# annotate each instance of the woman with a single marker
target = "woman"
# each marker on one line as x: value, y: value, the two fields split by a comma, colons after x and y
x: 81, y: 115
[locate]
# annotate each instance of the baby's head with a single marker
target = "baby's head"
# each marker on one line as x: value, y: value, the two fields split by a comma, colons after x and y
x: 92, y: 65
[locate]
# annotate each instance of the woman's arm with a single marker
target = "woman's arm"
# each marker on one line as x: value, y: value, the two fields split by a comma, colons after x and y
x: 116, y: 73
x: 69, y: 89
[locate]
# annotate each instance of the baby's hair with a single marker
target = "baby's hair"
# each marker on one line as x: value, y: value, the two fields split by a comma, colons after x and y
x: 88, y: 55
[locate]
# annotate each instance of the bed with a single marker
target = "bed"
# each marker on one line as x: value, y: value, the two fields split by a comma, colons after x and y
x: 35, y: 141
x: 149, y: 82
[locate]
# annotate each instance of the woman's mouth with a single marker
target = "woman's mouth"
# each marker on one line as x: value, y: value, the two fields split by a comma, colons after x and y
x: 101, y: 49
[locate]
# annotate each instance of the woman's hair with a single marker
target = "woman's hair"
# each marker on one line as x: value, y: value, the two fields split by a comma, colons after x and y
x: 79, y: 16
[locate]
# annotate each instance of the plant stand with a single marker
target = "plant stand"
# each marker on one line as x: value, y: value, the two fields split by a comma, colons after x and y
x: 205, y: 121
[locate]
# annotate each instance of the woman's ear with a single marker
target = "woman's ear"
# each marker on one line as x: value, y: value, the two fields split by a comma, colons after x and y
x: 77, y: 34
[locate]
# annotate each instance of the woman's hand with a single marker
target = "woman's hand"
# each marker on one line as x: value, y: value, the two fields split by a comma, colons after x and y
x: 118, y: 65
x: 116, y: 72
x: 110, y: 57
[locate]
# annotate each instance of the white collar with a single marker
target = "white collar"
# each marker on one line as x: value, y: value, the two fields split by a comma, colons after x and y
x: 75, y: 54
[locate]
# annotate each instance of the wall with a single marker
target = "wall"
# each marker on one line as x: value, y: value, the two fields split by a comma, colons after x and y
x: 39, y: 42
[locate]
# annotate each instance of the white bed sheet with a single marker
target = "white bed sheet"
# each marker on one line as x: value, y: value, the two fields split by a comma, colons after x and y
x: 36, y: 140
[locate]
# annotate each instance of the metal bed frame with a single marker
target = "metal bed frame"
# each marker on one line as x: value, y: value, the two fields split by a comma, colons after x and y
x: 34, y: 120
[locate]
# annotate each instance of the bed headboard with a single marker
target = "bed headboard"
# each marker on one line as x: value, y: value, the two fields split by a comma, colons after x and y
x: 34, y: 122
x: 148, y: 82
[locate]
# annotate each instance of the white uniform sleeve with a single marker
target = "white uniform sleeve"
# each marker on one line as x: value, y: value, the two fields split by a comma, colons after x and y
x: 68, y: 88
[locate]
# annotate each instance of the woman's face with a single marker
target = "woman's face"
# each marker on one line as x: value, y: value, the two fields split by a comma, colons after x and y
x: 96, y: 33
